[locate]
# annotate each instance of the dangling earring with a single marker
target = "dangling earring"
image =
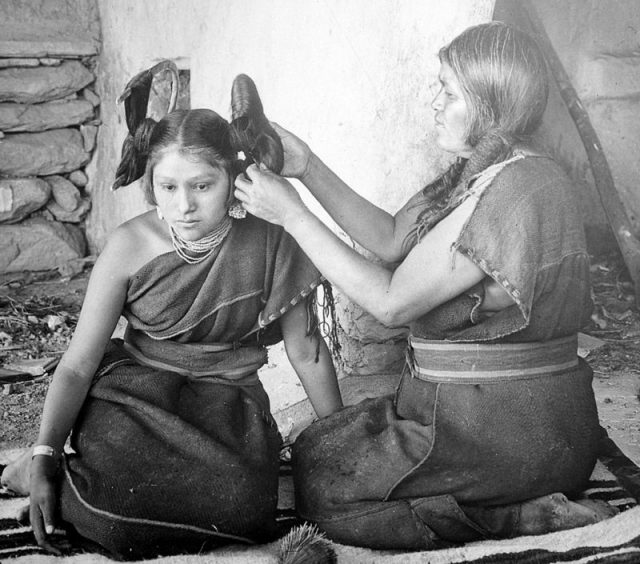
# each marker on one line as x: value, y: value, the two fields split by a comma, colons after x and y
x: 236, y: 211
x: 159, y: 212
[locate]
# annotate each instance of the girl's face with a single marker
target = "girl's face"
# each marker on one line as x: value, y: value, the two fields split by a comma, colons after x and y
x: 452, y: 114
x: 191, y: 194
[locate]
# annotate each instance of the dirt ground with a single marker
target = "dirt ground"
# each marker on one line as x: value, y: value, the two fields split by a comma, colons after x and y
x: 38, y: 312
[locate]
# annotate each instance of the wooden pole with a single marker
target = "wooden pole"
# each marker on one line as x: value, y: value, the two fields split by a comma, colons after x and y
x: 614, y: 208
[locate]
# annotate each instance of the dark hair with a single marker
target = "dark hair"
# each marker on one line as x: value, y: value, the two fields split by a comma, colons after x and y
x: 504, y: 79
x: 202, y: 133
x: 252, y: 131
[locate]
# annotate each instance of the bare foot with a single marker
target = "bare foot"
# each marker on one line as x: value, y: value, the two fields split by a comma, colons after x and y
x: 15, y: 477
x: 555, y: 512
x: 22, y: 515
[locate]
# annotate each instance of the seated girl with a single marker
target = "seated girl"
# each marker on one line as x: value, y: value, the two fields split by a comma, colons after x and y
x: 175, y: 448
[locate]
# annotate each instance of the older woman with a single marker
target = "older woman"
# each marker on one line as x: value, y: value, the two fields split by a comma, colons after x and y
x: 494, y: 407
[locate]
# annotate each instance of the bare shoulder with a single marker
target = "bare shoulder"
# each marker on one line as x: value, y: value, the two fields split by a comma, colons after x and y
x: 135, y: 242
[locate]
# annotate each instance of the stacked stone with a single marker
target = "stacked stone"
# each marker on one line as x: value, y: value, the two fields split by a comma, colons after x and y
x: 48, y: 128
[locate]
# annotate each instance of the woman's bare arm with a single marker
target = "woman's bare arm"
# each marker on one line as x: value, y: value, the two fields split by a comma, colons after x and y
x: 372, y: 227
x: 311, y: 360
x: 101, y: 309
x: 431, y: 274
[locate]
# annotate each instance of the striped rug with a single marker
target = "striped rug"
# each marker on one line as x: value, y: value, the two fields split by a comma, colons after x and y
x: 615, y: 480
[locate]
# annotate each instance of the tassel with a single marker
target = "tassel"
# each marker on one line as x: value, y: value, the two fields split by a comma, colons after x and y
x: 305, y: 544
x: 329, y: 323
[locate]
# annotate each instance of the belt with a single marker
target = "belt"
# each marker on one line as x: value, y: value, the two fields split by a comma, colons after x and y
x: 448, y: 361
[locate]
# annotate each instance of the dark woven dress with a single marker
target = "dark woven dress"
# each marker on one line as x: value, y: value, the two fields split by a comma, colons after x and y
x: 491, y: 410
x: 175, y: 447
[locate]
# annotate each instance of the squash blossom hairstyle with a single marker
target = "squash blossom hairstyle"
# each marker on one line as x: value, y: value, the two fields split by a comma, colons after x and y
x: 201, y: 133
x: 205, y: 135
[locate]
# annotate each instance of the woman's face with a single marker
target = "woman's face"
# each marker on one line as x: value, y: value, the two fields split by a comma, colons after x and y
x: 452, y: 114
x: 191, y: 194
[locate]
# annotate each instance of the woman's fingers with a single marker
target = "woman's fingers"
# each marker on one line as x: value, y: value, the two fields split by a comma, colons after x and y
x: 42, y: 523
x: 42, y: 511
x: 243, y: 185
x: 48, y: 508
x: 296, y: 152
x: 266, y: 195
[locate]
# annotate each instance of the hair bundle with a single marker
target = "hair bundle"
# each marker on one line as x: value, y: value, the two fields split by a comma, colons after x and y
x: 251, y: 130
x: 135, y: 96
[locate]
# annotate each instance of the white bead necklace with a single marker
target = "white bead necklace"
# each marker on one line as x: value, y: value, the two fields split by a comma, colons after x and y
x: 193, y: 252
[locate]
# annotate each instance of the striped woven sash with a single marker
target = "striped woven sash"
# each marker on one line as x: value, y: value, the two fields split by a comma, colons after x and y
x: 216, y: 362
x: 461, y: 363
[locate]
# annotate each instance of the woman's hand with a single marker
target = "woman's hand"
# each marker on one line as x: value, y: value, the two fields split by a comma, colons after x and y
x: 268, y: 196
x: 297, y: 155
x: 43, y: 500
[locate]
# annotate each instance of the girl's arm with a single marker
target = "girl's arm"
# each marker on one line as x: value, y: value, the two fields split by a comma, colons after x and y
x: 318, y: 378
x: 101, y: 309
x: 431, y: 274
x: 375, y: 229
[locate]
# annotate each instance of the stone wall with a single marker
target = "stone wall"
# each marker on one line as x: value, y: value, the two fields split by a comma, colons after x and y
x: 48, y: 125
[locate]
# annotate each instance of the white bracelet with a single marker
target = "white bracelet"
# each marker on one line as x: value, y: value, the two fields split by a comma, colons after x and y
x: 44, y: 450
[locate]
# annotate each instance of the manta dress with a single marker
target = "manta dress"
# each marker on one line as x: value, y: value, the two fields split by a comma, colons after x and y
x: 491, y: 410
x: 175, y: 448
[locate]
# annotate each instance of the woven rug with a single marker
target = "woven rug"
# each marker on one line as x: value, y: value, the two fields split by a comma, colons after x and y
x: 615, y: 480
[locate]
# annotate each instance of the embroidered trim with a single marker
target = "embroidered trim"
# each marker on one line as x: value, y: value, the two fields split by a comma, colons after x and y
x: 138, y: 520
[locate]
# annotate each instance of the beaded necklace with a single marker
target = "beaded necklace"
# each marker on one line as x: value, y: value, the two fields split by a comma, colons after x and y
x: 193, y: 252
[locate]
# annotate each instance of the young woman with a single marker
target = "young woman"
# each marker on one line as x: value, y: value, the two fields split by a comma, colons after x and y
x: 494, y: 407
x: 174, y: 445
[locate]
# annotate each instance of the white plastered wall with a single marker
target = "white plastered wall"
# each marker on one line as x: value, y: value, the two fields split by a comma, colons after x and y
x: 353, y: 78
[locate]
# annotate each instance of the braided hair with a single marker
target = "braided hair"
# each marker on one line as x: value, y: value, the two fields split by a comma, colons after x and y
x: 503, y: 76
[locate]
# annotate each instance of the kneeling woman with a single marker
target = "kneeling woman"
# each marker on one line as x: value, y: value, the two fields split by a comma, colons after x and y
x: 175, y: 446
x: 494, y: 407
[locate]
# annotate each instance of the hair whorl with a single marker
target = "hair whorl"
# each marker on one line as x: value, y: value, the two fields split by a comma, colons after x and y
x: 135, y: 151
x: 252, y: 132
